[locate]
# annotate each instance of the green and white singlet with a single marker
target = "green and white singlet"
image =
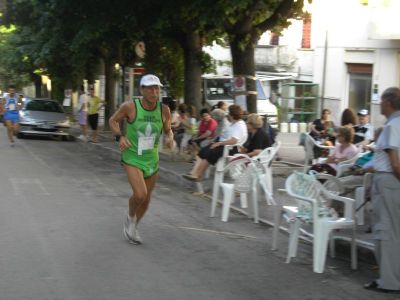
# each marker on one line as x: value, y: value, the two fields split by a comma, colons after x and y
x: 144, y: 135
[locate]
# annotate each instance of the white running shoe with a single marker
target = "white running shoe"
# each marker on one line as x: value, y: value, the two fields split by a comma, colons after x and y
x: 130, y: 231
x: 82, y: 138
x: 12, y: 144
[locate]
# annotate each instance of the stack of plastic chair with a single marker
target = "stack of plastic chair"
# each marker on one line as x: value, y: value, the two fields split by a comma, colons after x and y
x: 219, y: 176
x: 312, y: 209
x: 264, y: 160
x: 261, y: 178
x: 242, y: 173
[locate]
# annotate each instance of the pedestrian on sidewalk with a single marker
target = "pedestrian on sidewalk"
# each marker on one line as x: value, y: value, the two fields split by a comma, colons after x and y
x: 385, y: 216
x: 11, y: 114
x: 82, y: 113
x: 146, y: 118
x: 94, y: 105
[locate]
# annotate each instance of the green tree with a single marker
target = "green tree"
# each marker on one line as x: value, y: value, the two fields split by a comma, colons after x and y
x: 244, y: 22
x: 184, y: 28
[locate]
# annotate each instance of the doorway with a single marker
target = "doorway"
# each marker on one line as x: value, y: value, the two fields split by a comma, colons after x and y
x: 360, y: 86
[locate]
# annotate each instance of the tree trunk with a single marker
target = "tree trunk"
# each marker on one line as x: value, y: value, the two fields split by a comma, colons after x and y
x: 38, y: 85
x: 152, y: 56
x: 57, y: 89
x: 109, y: 91
x: 243, y: 65
x: 192, y: 54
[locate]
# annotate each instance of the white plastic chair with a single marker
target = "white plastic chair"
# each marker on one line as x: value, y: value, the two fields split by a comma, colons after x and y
x: 261, y: 176
x: 242, y: 172
x: 265, y: 159
x: 333, y: 184
x: 263, y: 163
x: 312, y: 198
x: 219, y: 176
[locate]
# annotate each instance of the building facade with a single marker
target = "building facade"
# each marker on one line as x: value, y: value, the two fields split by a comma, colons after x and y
x: 349, y: 48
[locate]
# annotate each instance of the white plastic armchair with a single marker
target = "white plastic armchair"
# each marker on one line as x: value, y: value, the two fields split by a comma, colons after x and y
x: 263, y: 162
x: 309, y: 144
x: 312, y: 198
x: 219, y: 176
x: 242, y: 174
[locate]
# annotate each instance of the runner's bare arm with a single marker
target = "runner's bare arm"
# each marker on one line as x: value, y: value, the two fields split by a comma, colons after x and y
x: 126, y: 111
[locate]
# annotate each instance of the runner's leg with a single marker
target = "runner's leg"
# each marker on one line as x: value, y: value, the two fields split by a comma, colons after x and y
x: 16, y: 127
x: 10, y: 130
x: 142, y: 189
x: 141, y: 209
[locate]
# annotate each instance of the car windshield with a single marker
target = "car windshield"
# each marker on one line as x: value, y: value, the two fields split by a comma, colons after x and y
x: 43, y: 105
x: 219, y: 89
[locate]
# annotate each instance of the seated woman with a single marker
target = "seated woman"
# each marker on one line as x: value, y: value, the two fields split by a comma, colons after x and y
x: 349, y: 118
x: 322, y: 130
x: 257, y: 139
x: 235, y: 133
x: 344, y: 150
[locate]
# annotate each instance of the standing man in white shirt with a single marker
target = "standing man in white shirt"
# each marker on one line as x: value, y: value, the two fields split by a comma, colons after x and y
x: 385, y: 216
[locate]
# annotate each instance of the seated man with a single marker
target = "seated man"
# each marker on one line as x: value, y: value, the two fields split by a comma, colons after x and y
x: 363, y: 131
x: 206, y: 132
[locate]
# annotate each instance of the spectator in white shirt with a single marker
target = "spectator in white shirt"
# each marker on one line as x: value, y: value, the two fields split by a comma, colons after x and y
x: 234, y: 134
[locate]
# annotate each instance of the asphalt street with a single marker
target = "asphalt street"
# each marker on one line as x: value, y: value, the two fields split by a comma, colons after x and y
x: 61, y: 215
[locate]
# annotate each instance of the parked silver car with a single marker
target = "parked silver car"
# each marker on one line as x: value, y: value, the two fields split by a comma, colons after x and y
x: 43, y: 117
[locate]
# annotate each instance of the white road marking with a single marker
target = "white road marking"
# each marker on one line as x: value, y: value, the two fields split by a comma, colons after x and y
x: 212, y: 231
x: 20, y: 185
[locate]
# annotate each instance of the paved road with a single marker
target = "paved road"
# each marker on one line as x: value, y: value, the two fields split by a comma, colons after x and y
x: 61, y: 214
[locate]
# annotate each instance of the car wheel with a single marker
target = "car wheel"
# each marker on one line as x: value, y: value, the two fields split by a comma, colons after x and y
x: 66, y: 138
x: 20, y: 135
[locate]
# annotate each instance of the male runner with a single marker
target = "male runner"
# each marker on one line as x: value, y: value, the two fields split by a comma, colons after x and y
x: 146, y: 119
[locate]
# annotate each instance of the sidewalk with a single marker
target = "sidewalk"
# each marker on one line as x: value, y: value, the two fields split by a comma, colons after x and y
x: 172, y: 166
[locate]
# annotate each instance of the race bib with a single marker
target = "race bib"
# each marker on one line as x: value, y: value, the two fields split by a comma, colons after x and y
x: 11, y: 106
x: 145, y: 143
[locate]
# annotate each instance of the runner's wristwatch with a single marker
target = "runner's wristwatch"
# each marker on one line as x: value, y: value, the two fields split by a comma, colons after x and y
x: 117, y: 137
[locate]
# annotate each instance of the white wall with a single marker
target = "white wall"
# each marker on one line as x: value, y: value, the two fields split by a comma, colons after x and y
x: 346, y: 24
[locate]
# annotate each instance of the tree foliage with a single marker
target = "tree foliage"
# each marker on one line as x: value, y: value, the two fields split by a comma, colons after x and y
x: 69, y: 39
